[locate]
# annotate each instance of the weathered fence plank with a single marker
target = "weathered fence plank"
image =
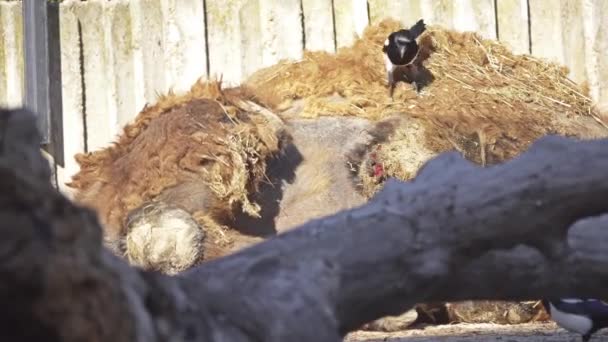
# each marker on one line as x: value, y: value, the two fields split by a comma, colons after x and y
x: 3, y: 57
x: 282, y: 36
x: 351, y: 18
x: 101, y: 114
x: 438, y: 12
x: 13, y: 66
x: 475, y: 15
x: 513, y: 28
x: 596, y: 46
x: 137, y: 51
x: 185, y: 53
x: 556, y: 34
x: 573, y: 38
x: 148, y: 41
x: 224, y: 34
x: 602, y: 48
x: 251, y: 37
x: 122, y: 63
x: 318, y: 25
x: 406, y: 11
x: 73, y: 117
x: 545, y: 30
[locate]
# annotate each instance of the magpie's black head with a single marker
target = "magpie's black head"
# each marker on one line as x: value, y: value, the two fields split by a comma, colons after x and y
x: 401, y: 46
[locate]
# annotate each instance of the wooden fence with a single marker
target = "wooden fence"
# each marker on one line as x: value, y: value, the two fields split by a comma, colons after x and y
x: 117, y: 55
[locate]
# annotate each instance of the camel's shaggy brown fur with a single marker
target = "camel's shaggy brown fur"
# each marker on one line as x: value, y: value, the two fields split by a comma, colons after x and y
x: 204, y: 134
x: 205, y: 152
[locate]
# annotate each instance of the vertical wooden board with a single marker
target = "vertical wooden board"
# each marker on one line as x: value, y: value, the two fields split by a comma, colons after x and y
x: 3, y: 61
x: 573, y: 38
x: 282, y: 36
x: 513, y: 27
x: 475, y: 15
x: 171, y: 43
x: 100, y: 111
x: 546, y: 30
x: 386, y: 9
x: 13, y: 54
x: 185, y: 52
x: 596, y: 40
x: 602, y: 48
x: 318, y: 25
x: 251, y: 37
x: 137, y: 40
x: 351, y: 18
x: 148, y: 44
x: 406, y: 11
x: 19, y: 70
x: 73, y: 120
x: 438, y: 12
x: 591, y: 29
x: 123, y: 62
x: 224, y: 34
x: 412, y: 12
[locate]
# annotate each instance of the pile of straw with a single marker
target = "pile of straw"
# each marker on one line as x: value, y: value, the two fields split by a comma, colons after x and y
x: 484, y: 101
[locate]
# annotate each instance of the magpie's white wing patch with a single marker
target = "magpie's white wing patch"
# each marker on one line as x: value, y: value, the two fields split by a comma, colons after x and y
x: 386, y: 42
x: 571, y: 300
x: 571, y: 322
x: 403, y: 40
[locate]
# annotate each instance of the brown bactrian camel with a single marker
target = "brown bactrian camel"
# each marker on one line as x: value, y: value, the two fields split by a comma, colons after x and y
x: 202, y: 174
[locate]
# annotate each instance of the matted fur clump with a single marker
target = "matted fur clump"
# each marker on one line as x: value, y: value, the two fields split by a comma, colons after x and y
x: 484, y: 101
x: 204, y: 135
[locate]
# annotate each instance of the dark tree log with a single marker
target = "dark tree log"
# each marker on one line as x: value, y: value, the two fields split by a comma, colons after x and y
x: 456, y: 232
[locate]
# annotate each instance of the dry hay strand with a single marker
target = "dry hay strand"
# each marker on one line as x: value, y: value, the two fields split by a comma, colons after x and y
x: 205, y: 134
x: 484, y: 101
x: 498, y: 312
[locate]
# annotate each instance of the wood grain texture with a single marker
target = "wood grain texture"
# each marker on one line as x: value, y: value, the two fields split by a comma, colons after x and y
x: 351, y: 18
x: 513, y: 28
x: 318, y: 25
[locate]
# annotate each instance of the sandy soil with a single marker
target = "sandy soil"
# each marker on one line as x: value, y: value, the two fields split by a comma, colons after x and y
x: 545, y: 332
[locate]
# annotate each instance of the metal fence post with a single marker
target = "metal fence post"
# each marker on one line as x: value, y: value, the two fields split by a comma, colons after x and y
x: 42, y: 52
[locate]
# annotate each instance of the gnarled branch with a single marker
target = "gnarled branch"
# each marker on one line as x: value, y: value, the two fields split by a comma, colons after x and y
x: 455, y: 232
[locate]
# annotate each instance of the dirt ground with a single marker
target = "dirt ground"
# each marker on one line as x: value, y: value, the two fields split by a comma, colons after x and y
x: 545, y: 332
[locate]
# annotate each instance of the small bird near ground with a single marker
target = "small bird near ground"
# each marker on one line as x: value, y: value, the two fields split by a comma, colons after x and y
x: 401, y: 49
x: 582, y: 316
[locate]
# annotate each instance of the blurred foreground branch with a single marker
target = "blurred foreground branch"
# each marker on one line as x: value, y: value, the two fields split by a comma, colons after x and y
x: 456, y: 232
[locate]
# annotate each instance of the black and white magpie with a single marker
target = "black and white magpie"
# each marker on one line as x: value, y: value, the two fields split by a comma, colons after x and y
x: 400, y: 49
x: 582, y: 316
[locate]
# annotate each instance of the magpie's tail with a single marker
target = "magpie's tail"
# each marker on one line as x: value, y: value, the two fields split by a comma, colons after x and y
x: 418, y: 28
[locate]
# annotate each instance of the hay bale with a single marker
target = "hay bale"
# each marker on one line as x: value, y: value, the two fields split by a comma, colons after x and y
x: 484, y: 101
x: 207, y: 135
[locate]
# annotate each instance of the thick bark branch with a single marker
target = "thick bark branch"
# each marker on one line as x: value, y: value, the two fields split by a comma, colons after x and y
x: 412, y: 241
x: 456, y: 232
